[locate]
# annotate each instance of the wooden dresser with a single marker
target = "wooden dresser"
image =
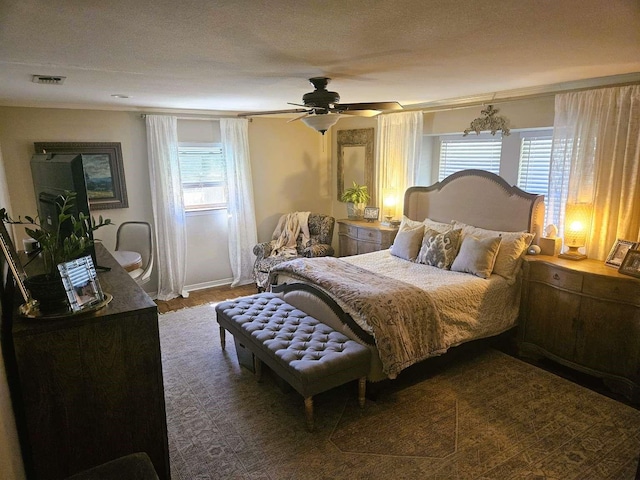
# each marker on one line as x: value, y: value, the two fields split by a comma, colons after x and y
x: 359, y: 236
x: 584, y: 315
x: 89, y: 388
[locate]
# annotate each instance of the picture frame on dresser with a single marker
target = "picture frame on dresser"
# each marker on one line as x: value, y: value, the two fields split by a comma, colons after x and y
x: 631, y: 264
x: 371, y: 214
x: 619, y: 251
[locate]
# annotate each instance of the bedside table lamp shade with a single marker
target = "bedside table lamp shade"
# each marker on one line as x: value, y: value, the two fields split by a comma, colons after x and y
x: 576, y: 227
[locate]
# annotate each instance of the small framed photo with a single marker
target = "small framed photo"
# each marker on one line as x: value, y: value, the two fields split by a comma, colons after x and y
x: 81, y: 283
x: 631, y: 264
x: 618, y: 252
x: 371, y: 214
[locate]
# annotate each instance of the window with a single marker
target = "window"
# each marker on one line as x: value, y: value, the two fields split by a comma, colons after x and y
x: 204, y: 181
x: 463, y: 153
x: 535, y: 161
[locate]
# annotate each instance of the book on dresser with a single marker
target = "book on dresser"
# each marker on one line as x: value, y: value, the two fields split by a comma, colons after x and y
x: 88, y: 387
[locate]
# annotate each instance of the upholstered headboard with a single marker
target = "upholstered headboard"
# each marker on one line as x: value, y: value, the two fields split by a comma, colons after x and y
x: 478, y: 198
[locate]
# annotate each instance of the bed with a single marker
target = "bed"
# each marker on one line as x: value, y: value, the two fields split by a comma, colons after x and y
x: 410, y: 303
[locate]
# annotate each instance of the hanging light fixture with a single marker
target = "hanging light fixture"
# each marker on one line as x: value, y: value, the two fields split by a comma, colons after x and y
x: 489, y: 121
x: 321, y: 122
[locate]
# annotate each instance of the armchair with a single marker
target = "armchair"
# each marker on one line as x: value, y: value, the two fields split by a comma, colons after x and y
x: 319, y: 245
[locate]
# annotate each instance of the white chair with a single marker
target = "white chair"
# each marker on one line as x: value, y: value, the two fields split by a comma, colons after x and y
x: 137, y: 237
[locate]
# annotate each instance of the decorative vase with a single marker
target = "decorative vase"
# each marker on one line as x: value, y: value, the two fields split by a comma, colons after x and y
x: 49, y: 291
x: 355, y: 211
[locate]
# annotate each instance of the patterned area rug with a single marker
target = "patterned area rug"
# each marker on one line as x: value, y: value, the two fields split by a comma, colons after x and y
x: 480, y: 416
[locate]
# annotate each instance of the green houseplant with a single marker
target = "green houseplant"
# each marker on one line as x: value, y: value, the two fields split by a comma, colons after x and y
x: 356, y: 198
x: 70, y: 239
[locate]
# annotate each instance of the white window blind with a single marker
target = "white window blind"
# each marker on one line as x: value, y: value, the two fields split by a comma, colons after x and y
x: 464, y: 153
x: 202, y: 170
x: 535, y: 161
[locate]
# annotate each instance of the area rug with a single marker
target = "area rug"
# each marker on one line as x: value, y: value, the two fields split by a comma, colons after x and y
x: 485, y: 415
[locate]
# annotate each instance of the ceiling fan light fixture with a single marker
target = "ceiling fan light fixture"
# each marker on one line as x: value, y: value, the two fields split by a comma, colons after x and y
x: 321, y: 123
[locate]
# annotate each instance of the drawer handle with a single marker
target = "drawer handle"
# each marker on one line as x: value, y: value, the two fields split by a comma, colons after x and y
x: 556, y: 276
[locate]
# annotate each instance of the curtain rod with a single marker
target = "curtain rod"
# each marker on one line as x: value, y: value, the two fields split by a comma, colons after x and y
x: 191, y: 117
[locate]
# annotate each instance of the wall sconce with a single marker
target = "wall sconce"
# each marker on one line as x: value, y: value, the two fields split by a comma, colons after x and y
x: 389, y: 202
x: 577, y: 221
x: 321, y: 122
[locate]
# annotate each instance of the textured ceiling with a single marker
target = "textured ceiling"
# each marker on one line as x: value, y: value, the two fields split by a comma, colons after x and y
x: 258, y: 55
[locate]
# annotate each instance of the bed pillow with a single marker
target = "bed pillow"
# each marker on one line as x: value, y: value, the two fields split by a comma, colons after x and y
x: 439, y: 249
x: 407, y: 243
x: 512, y: 248
x: 477, y: 255
x: 439, y: 227
x: 407, y: 223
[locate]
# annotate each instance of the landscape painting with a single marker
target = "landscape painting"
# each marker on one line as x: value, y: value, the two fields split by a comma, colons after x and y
x: 103, y: 170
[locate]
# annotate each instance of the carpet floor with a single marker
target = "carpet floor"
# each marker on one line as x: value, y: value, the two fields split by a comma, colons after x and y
x: 484, y: 415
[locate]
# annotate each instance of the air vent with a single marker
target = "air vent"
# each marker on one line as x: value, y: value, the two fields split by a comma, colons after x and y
x: 48, y: 79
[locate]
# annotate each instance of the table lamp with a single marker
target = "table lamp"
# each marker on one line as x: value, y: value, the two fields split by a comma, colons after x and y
x: 577, y: 220
x: 389, y: 204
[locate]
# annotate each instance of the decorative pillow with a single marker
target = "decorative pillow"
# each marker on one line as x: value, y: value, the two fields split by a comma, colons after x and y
x: 439, y: 249
x: 407, y: 223
x: 477, y: 255
x: 407, y: 243
x: 512, y: 248
x: 439, y: 227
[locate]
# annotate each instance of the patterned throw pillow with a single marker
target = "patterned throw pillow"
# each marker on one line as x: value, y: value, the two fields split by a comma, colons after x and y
x: 439, y: 249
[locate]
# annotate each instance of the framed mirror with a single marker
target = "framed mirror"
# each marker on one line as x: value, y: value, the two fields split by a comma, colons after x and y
x: 355, y: 160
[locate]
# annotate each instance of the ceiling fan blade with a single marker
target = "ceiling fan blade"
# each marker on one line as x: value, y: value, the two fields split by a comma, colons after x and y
x: 272, y: 112
x: 369, y: 106
x: 299, y: 117
x: 360, y: 113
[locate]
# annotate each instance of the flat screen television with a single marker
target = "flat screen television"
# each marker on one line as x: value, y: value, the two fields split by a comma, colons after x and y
x: 53, y: 175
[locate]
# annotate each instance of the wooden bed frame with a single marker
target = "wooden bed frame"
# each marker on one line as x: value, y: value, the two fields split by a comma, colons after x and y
x: 475, y: 197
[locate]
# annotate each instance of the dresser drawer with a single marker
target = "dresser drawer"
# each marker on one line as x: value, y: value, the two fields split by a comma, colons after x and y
x: 369, y: 235
x: 349, y: 230
x: 618, y: 290
x: 541, y: 272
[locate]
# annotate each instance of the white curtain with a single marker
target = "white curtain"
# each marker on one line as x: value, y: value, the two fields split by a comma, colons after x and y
x: 596, y: 159
x: 168, y: 206
x: 399, y: 146
x: 242, y: 220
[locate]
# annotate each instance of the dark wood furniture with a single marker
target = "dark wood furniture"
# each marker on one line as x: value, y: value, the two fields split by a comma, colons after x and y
x: 358, y: 236
x: 89, y: 387
x: 584, y: 315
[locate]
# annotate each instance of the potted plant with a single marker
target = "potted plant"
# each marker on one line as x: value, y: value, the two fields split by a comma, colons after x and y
x: 356, y: 197
x: 70, y: 239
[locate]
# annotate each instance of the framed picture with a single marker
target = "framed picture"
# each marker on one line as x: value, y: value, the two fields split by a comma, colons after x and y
x: 81, y: 283
x: 631, y: 264
x: 103, y: 170
x: 13, y: 261
x: 618, y: 252
x: 371, y: 214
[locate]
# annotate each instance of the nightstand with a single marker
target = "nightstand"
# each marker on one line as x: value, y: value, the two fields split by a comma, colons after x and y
x: 358, y: 236
x: 585, y: 315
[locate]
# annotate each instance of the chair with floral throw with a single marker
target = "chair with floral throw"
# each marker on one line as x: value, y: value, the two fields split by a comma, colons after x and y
x: 319, y: 245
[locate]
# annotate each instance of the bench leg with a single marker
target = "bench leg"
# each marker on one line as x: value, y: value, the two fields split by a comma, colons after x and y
x: 257, y: 366
x: 362, y: 389
x: 308, y: 412
x: 223, y: 338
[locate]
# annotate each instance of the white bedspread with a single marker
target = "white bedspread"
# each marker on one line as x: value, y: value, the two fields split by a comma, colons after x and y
x: 470, y: 307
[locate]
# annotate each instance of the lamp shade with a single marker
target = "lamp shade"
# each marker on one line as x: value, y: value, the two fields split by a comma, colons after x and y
x: 322, y: 122
x: 577, y: 221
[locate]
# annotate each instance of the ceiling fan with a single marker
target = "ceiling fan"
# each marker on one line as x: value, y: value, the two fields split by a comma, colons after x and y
x: 321, y: 108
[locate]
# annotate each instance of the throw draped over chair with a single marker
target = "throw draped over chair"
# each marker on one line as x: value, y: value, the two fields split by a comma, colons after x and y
x: 319, y: 245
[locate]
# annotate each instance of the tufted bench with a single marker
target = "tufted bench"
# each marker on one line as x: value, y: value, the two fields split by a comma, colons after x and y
x: 308, y: 354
